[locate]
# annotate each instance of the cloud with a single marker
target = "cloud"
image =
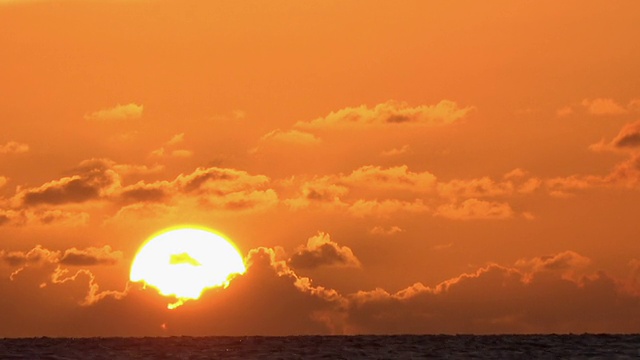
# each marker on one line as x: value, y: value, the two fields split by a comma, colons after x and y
x: 14, y: 147
x: 515, y: 181
x: 129, y: 111
x: 35, y: 256
x: 379, y: 230
x: 295, y: 137
x: 599, y: 107
x: 176, y: 139
x: 499, y: 299
x: 565, y: 263
x: 181, y: 153
x: 102, y: 180
x: 386, y: 207
x: 90, y: 256
x: 390, y: 113
x: 166, y: 149
x: 33, y: 217
x: 321, y: 251
x: 626, y: 173
x: 330, y: 190
x: 627, y: 139
x: 396, y: 151
x: 474, y: 209
x: 5, y: 217
x: 56, y: 216
x: 378, y: 191
x: 474, y: 188
x: 322, y: 191
x: 534, y: 296
x: 94, y: 179
x: 3, y: 181
x: 142, y: 192
x: 603, y: 106
x: 219, y: 188
x: 39, y: 255
x: 564, y: 111
x: 397, y: 177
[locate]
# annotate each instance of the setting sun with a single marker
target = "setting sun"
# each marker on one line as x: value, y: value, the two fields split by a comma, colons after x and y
x: 182, y: 263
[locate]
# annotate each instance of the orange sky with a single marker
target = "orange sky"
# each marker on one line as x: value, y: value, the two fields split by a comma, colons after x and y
x: 384, y: 167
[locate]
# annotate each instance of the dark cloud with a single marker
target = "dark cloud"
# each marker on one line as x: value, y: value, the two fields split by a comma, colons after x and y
x: 271, y: 299
x: 90, y: 256
x: 629, y: 136
x: 201, y: 176
x: 398, y: 119
x: 629, y: 140
x: 92, y: 179
x: 141, y: 194
x: 627, y: 172
x: 498, y: 299
x: 61, y: 192
x: 37, y: 255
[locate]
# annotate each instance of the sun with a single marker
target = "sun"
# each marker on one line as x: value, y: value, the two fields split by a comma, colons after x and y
x: 184, y: 262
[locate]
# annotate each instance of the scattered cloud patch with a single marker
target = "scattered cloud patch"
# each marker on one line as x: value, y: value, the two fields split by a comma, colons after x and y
x: 129, y: 111
x: 599, y: 107
x: 383, y: 208
x: 14, y: 147
x: 396, y: 151
x: 168, y: 148
x: 295, y: 137
x: 474, y: 209
x: 390, y: 113
x: 603, y: 106
x: 379, y: 230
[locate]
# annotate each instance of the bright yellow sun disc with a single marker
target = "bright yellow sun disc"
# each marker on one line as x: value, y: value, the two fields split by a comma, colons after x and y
x: 183, y: 263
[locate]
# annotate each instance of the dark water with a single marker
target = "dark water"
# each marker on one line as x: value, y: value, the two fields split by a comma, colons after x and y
x: 329, y: 347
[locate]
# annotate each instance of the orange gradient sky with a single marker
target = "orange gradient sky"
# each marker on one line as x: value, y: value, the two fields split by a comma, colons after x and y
x: 384, y: 167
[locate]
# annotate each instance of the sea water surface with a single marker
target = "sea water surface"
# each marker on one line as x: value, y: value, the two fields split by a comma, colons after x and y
x: 329, y: 347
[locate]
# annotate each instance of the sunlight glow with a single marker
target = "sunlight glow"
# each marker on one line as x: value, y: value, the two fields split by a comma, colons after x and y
x: 183, y: 262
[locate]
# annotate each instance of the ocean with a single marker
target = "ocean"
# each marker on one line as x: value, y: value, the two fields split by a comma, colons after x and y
x: 585, y: 346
